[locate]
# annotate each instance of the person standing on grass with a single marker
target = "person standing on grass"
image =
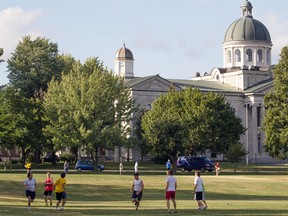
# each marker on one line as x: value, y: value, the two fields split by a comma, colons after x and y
x: 171, y: 186
x: 60, y: 191
x: 120, y: 168
x: 168, y: 165
x: 217, y: 168
x: 137, y: 188
x: 30, y: 186
x: 66, y: 166
x: 48, y: 189
x: 136, y: 167
x: 198, y: 191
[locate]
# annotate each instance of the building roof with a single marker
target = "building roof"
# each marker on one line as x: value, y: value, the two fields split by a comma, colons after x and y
x: 247, y: 28
x: 124, y: 54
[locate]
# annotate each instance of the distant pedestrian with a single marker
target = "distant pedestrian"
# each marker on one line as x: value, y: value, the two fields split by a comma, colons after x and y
x: 171, y: 186
x: 28, y: 166
x: 48, y: 183
x: 66, y: 166
x: 198, y: 191
x: 217, y: 168
x: 30, y: 186
x: 136, y: 167
x: 60, y: 191
x: 137, y: 188
x: 120, y: 168
x: 168, y: 165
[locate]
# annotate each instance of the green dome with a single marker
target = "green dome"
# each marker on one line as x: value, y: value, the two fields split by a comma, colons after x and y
x: 247, y: 28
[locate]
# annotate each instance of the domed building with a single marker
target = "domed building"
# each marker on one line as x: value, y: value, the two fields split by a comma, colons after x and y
x: 244, y: 79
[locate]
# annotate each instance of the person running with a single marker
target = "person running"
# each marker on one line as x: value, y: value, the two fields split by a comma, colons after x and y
x: 168, y: 165
x: 28, y: 166
x: 121, y: 168
x: 30, y: 186
x: 48, y: 189
x: 217, y: 168
x: 66, y: 166
x: 171, y: 186
x: 60, y: 191
x: 137, y: 188
x: 198, y: 191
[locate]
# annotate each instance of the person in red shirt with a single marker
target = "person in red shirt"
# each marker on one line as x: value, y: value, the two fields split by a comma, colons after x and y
x: 217, y: 168
x: 48, y: 189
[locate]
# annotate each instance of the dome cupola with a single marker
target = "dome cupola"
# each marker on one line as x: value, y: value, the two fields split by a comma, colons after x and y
x: 247, y: 41
x: 124, y: 62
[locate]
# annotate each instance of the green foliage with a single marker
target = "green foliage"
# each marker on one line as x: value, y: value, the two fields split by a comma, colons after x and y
x: 235, y: 154
x: 67, y: 157
x: 189, y: 122
x: 89, y: 108
x: 276, y: 116
x: 1, y: 53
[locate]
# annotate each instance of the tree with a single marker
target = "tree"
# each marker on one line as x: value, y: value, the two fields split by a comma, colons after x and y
x: 1, y: 53
x: 276, y: 116
x: 235, y: 154
x: 90, y: 108
x: 18, y: 122
x: 32, y: 66
x: 190, y: 122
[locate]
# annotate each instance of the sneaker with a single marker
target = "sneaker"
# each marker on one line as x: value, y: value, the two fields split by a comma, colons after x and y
x: 62, y: 209
x: 199, y: 208
x: 204, y: 207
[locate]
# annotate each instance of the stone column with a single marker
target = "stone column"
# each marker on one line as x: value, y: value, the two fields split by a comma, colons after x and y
x: 254, y: 134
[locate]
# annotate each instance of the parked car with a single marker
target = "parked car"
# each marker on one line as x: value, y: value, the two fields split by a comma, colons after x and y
x: 87, y: 165
x: 195, y: 163
x: 49, y: 158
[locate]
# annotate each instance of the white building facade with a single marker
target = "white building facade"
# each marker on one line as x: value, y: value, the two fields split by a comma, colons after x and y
x: 244, y: 79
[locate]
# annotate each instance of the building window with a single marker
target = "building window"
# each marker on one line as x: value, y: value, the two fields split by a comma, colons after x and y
x: 259, y: 55
x: 237, y: 55
x: 249, y: 55
x: 268, y: 56
x: 229, y: 56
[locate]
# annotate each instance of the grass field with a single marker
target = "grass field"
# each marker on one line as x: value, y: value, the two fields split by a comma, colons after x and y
x: 107, y: 193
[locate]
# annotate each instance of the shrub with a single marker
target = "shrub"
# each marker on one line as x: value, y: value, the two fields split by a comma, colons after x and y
x: 67, y: 157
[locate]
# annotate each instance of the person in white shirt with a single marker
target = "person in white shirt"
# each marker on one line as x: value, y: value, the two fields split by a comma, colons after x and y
x: 198, y: 191
x: 136, y: 167
x: 30, y: 186
x: 120, y: 167
x: 137, y: 188
x: 171, y: 186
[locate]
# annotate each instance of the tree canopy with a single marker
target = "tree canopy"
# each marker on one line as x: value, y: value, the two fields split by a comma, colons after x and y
x: 89, y: 108
x: 191, y: 122
x: 276, y: 116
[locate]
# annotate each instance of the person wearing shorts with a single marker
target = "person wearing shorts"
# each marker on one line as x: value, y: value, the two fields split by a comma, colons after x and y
x: 48, y: 189
x: 60, y: 191
x: 30, y: 185
x: 171, y: 185
x: 137, y: 188
x: 198, y: 191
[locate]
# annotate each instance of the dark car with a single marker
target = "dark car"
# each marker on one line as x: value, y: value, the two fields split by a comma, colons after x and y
x: 195, y: 163
x: 87, y: 165
x: 49, y: 158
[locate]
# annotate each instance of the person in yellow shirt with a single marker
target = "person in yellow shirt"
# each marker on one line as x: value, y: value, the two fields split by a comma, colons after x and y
x: 28, y: 167
x: 60, y: 191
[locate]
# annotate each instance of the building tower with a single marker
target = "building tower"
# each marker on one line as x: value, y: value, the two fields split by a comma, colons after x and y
x: 124, y: 63
x: 247, y: 42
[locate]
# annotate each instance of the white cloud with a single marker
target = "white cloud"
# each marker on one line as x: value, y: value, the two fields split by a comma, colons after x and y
x: 14, y: 24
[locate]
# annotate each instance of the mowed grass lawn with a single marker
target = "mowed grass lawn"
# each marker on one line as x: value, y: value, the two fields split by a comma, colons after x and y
x: 91, y: 193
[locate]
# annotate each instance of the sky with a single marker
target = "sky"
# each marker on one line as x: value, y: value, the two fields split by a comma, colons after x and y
x: 174, y: 39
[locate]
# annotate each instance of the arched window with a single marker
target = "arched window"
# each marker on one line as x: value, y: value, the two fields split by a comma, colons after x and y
x: 249, y: 55
x: 268, y: 56
x: 259, y: 55
x: 237, y: 55
x: 229, y: 56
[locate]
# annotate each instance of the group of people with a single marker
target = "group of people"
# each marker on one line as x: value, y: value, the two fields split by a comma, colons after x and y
x: 58, y: 186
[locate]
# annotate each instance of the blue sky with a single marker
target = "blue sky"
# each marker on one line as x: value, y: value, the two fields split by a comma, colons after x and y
x: 174, y: 39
